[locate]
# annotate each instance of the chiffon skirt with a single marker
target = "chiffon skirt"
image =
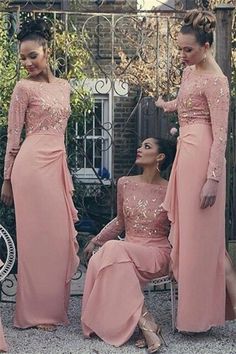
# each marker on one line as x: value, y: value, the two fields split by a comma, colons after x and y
x: 45, y: 215
x: 113, y: 297
x: 197, y: 235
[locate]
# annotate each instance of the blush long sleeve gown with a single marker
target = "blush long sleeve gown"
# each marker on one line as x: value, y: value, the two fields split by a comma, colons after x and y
x: 113, y: 297
x: 45, y: 214
x: 198, y: 235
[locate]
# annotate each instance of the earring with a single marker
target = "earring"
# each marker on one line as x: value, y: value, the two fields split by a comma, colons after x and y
x: 158, y: 169
x: 204, y: 58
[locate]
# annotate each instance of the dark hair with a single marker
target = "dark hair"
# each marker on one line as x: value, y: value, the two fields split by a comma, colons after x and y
x: 168, y: 148
x: 35, y: 30
x: 201, y: 24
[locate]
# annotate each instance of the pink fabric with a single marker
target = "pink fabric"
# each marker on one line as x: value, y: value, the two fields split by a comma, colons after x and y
x: 113, y: 297
x: 198, y: 235
x: 45, y: 214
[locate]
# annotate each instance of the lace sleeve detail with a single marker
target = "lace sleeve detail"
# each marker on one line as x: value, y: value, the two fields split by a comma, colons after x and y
x: 16, y: 118
x: 217, y: 94
x: 171, y: 106
x: 115, y: 226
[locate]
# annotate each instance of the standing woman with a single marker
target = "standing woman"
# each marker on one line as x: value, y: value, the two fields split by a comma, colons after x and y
x: 38, y: 180
x: 195, y: 198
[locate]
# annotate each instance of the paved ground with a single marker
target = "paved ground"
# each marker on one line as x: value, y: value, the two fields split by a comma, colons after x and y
x: 69, y: 340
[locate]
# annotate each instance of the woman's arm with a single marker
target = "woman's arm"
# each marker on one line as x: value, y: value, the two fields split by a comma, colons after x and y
x: 16, y: 118
x: 115, y: 227
x: 170, y: 106
x: 217, y: 95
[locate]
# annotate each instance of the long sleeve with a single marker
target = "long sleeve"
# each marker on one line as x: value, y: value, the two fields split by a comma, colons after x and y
x: 115, y: 226
x: 217, y: 94
x: 171, y: 106
x: 16, y: 118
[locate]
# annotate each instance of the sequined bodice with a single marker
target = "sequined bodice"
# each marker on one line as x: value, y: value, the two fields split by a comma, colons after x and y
x: 142, y: 212
x: 196, y: 96
x: 48, y: 106
x: 40, y: 107
x: 139, y: 213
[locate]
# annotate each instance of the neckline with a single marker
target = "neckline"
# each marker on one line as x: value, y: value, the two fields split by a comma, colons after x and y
x: 147, y: 183
x: 203, y: 73
x: 43, y: 82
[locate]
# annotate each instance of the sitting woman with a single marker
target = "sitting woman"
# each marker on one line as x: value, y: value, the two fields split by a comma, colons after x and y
x: 113, y: 301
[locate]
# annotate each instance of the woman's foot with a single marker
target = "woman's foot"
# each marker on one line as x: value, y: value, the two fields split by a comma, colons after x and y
x: 151, y: 332
x: 47, y: 327
x: 140, y: 342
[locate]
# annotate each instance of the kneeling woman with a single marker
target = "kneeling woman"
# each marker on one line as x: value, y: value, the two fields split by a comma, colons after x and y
x: 113, y: 301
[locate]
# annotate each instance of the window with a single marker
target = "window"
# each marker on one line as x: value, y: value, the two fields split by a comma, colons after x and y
x: 93, y: 149
x: 93, y: 153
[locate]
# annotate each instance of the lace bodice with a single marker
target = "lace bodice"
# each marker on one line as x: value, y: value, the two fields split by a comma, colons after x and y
x: 138, y: 214
x: 40, y: 107
x: 204, y: 99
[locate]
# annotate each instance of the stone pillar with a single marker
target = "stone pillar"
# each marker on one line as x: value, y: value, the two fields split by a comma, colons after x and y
x: 224, y: 17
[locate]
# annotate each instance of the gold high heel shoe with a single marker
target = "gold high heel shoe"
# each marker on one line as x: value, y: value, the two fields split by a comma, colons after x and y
x: 140, y: 343
x: 47, y: 327
x: 152, y: 348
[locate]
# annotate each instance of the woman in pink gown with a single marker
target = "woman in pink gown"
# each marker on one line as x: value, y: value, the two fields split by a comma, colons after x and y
x: 195, y: 198
x: 113, y: 301
x: 38, y: 180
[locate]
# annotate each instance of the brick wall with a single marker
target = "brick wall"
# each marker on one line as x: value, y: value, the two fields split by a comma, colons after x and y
x: 102, y: 43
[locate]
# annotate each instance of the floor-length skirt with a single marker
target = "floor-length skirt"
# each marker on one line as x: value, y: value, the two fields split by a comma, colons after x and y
x: 113, y: 296
x: 3, y: 344
x: 47, y: 250
x: 197, y: 235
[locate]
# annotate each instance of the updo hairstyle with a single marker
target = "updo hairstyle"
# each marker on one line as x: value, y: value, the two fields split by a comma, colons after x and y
x: 35, y: 30
x: 200, y: 23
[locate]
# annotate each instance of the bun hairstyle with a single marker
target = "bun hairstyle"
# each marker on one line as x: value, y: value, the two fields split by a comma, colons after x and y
x: 37, y: 30
x: 168, y: 148
x: 201, y: 23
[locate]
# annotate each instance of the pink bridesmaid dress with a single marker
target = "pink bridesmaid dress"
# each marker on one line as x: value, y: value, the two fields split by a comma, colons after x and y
x: 45, y: 214
x: 198, y: 235
x: 116, y: 274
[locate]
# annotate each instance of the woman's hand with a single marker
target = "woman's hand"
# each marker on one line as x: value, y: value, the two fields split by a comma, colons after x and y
x: 208, y: 194
x: 88, y: 250
x: 171, y: 274
x: 6, y: 193
x: 160, y: 102
x: 14, y: 151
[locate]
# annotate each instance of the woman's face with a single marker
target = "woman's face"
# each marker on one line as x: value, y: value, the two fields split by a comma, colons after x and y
x: 33, y: 57
x: 147, y: 153
x: 191, y: 52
